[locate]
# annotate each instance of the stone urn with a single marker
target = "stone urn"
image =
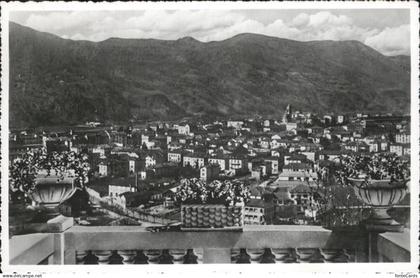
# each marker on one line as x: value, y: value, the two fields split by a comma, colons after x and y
x: 52, y: 190
x: 381, y: 195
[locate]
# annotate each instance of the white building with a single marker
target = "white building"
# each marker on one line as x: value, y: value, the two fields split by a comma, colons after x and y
x: 150, y: 161
x: 103, y: 169
x: 144, y: 139
x: 219, y: 161
x: 236, y: 163
x: 403, y: 138
x: 297, y: 176
x: 400, y: 149
x: 235, y: 124
x: 310, y: 155
x: 291, y: 126
x: 116, y: 190
x: 340, y: 119
x: 193, y: 161
x: 175, y: 156
x: 183, y: 129
x: 258, y: 212
x: 131, y: 166
x: 254, y: 215
x: 99, y: 150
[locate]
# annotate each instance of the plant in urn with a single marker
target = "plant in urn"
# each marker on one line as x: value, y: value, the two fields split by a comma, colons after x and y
x: 49, y: 179
x: 380, y: 181
x: 218, y: 204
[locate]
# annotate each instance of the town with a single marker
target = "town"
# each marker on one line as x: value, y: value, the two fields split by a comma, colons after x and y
x: 135, y: 169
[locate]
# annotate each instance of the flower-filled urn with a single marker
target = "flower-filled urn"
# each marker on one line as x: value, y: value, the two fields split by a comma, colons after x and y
x: 380, y: 181
x: 381, y: 195
x: 52, y: 190
x: 214, y: 205
x: 49, y: 179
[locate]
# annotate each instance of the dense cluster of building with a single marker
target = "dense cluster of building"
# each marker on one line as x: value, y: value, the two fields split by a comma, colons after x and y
x: 139, y: 166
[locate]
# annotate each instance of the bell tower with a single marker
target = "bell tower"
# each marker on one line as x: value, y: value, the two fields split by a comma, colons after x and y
x: 287, y: 116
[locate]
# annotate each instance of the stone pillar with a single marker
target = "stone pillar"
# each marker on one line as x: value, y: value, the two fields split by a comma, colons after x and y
x: 58, y: 225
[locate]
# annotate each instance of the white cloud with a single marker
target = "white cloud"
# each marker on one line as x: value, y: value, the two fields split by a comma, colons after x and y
x: 56, y: 21
x: 300, y: 20
x: 246, y: 26
x: 391, y: 41
x: 322, y: 19
x: 280, y: 29
x: 208, y: 25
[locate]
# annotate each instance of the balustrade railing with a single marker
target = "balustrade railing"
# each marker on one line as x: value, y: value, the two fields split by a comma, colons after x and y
x: 255, y: 244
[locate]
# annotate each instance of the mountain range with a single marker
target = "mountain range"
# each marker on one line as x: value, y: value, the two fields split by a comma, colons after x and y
x: 56, y: 81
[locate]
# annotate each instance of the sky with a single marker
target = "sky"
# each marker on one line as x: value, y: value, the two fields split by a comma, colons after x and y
x: 386, y: 30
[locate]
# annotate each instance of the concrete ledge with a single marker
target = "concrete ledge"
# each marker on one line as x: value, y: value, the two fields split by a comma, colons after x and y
x: 31, y: 249
x: 59, y: 224
x: 130, y: 237
x: 61, y: 247
x: 395, y: 247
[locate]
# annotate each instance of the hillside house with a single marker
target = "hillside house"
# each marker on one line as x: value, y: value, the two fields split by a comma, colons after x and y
x: 175, y: 156
x: 194, y: 160
x: 209, y: 172
x: 219, y: 160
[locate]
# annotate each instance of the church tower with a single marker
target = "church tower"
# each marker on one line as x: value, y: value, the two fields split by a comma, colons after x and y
x: 287, y: 116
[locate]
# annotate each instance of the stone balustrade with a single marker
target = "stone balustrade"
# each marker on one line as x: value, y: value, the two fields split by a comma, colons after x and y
x: 195, y: 256
x: 255, y: 244
x: 165, y: 256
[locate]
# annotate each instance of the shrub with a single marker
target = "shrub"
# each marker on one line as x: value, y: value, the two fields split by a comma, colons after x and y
x: 377, y: 167
x: 24, y: 170
x: 195, y: 191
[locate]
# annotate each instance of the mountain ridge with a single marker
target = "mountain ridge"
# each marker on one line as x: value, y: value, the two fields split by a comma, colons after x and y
x: 61, y: 81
